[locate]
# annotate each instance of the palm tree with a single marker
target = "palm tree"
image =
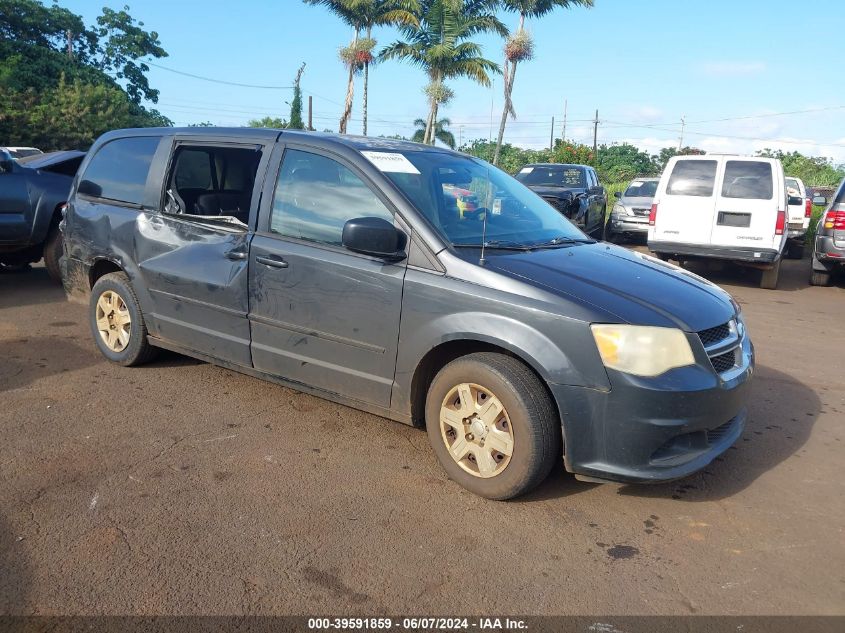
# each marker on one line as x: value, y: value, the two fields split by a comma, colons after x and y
x: 363, y: 15
x: 439, y: 44
x: 440, y: 132
x: 520, y: 47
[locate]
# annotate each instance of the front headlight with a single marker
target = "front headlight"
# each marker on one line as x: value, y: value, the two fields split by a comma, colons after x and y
x: 642, y: 350
x: 620, y: 209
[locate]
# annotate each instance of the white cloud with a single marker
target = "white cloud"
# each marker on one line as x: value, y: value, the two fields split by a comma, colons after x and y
x: 734, y: 68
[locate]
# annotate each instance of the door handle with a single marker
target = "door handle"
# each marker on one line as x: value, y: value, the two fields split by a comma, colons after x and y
x: 271, y: 261
x: 235, y: 255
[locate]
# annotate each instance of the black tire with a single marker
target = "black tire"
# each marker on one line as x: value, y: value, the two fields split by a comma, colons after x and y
x: 138, y: 350
x: 820, y: 278
x: 769, y: 279
x: 610, y: 235
x: 52, y: 252
x: 663, y: 257
x: 535, y: 425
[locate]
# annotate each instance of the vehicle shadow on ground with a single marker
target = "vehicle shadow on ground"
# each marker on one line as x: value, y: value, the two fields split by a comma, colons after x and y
x: 29, y: 359
x: 28, y: 287
x: 782, y: 412
x: 14, y: 574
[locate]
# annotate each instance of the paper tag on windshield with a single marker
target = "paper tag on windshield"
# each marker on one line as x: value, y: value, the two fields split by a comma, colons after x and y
x: 391, y: 162
x: 526, y: 170
x: 497, y: 207
x: 637, y: 183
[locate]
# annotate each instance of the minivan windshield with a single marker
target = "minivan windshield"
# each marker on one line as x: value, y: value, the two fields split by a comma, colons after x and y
x: 456, y: 193
x: 553, y: 176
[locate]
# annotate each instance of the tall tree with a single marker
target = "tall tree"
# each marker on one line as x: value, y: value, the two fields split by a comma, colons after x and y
x: 296, y: 103
x: 520, y: 47
x: 440, y: 44
x: 363, y: 16
x: 440, y: 132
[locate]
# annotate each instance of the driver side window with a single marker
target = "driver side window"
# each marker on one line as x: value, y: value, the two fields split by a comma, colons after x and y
x: 315, y: 196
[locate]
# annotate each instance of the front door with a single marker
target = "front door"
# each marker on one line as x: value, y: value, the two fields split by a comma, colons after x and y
x: 15, y: 211
x: 321, y: 315
x: 193, y: 252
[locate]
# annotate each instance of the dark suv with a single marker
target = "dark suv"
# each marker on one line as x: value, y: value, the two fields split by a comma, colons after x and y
x: 829, y: 244
x: 574, y: 190
x: 349, y: 268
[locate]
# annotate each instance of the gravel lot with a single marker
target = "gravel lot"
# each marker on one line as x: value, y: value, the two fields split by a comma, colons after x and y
x: 180, y: 487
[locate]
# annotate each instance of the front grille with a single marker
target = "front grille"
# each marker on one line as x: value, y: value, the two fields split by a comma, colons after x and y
x: 714, y: 334
x: 724, y: 362
x: 715, y: 435
x: 642, y: 212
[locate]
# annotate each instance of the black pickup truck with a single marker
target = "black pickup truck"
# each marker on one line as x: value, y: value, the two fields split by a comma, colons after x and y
x: 574, y: 190
x: 32, y: 193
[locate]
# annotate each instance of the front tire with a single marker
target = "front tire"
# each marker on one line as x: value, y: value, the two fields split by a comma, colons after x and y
x: 492, y: 425
x: 117, y: 323
x: 820, y: 278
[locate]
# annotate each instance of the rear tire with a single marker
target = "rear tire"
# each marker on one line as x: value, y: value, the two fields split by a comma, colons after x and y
x: 117, y: 323
x: 820, y: 278
x: 53, y: 249
x: 769, y: 280
x: 795, y: 250
x: 663, y: 257
x: 500, y: 397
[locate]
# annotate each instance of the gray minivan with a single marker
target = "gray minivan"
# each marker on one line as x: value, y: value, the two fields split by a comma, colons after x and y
x: 346, y: 267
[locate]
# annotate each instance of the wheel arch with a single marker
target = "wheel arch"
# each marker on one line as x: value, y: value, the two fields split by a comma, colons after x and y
x: 100, y: 267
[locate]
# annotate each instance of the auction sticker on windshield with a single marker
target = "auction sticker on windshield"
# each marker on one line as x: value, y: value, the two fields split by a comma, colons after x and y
x: 391, y: 162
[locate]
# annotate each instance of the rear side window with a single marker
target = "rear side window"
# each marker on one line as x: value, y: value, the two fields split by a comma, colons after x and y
x: 751, y: 180
x: 692, y: 178
x: 119, y: 169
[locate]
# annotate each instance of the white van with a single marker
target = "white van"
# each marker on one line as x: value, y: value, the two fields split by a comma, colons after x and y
x: 721, y: 207
x: 798, y: 216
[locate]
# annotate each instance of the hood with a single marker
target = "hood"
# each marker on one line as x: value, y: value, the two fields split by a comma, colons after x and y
x: 552, y: 190
x: 634, y: 287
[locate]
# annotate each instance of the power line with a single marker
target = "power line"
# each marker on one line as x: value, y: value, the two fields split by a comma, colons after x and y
x: 217, y: 81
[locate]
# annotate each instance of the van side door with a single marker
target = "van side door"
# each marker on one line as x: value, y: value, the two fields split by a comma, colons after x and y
x: 193, y: 250
x: 322, y: 315
x: 686, y: 208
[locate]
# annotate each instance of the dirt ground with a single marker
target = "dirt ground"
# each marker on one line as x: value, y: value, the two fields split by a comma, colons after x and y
x: 183, y: 488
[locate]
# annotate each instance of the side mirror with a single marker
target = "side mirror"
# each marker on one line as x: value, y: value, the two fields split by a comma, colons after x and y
x: 597, y: 191
x: 374, y: 236
x: 88, y: 188
x: 820, y: 201
x: 617, y: 194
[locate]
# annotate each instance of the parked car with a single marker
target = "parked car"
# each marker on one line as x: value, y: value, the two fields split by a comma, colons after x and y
x: 300, y: 257
x: 21, y: 152
x: 573, y: 190
x: 800, y: 210
x: 720, y: 207
x: 33, y: 191
x: 629, y: 215
x: 829, y: 244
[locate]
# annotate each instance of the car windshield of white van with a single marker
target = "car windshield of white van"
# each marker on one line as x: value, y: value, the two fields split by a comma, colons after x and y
x: 692, y: 178
x: 456, y: 194
x: 748, y: 179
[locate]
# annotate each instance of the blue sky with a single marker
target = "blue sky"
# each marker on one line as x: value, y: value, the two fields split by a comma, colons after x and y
x: 644, y: 65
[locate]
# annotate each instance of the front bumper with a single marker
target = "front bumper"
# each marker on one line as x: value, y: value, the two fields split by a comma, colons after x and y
x: 75, y: 279
x: 647, y: 430
x: 628, y: 223
x: 733, y: 253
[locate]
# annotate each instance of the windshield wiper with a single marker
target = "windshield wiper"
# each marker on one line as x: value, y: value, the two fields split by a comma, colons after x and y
x: 563, y: 241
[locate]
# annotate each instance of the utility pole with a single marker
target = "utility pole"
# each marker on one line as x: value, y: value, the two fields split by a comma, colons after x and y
x: 595, y: 137
x: 310, y: 112
x: 563, y: 131
x: 681, y: 140
x: 552, y: 135
x: 460, y: 136
x: 69, y: 35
